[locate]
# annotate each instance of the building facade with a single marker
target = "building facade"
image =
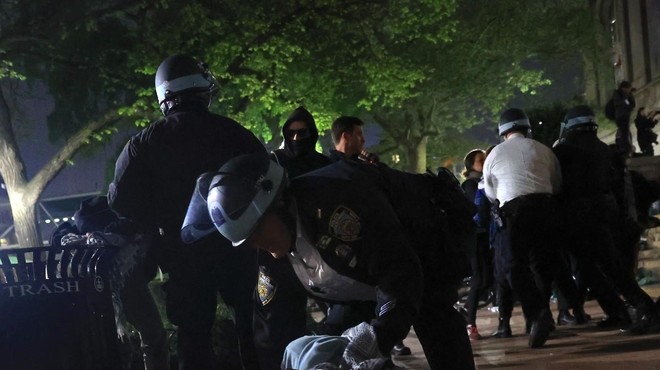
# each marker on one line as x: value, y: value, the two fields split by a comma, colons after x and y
x: 633, y: 36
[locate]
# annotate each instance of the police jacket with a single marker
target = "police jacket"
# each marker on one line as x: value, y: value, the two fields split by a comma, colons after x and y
x: 586, y: 165
x: 351, y: 246
x: 156, y: 172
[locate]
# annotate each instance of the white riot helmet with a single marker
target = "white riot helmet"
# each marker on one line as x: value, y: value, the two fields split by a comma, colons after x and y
x: 235, y: 198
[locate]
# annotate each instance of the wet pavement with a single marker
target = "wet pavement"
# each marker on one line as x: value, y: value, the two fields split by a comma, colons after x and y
x: 569, y: 347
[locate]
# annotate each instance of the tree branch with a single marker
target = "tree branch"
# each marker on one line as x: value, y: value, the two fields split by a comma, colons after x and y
x: 73, y: 144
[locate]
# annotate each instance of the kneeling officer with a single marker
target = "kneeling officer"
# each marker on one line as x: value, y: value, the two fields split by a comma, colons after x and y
x: 343, y: 239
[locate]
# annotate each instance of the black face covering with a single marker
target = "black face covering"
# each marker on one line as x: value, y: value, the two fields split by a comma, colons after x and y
x: 307, y: 143
x: 299, y: 147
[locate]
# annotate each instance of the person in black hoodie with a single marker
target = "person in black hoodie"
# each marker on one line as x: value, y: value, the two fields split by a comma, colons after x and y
x: 299, y: 154
x: 280, y: 302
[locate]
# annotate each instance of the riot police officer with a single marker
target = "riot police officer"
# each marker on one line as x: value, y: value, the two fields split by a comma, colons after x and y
x: 342, y: 230
x: 589, y: 211
x: 521, y: 175
x: 152, y: 186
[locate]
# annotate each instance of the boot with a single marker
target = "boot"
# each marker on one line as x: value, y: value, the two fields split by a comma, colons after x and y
x: 645, y: 319
x: 616, y: 319
x: 581, y: 317
x: 565, y: 318
x: 401, y: 349
x: 503, y: 328
x: 540, y: 329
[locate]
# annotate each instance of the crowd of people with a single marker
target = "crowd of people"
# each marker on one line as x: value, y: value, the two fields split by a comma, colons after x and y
x: 379, y: 250
x: 622, y: 105
x: 559, y: 218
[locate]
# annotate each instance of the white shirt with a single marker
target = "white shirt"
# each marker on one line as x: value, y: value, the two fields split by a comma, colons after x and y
x: 520, y: 166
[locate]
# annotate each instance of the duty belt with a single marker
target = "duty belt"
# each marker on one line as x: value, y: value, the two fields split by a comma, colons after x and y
x: 513, y: 206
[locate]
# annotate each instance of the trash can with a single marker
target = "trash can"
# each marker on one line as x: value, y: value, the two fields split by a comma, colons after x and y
x: 56, y: 309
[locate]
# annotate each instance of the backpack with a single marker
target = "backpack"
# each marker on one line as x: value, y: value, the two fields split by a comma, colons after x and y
x: 609, y: 109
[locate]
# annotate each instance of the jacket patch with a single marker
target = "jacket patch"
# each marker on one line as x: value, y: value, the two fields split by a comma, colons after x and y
x: 344, y: 224
x: 323, y: 242
x: 266, y: 288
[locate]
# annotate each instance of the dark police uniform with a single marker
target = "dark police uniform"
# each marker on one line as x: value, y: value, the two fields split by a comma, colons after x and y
x: 589, y: 213
x: 351, y: 247
x: 154, y: 179
x: 334, y: 225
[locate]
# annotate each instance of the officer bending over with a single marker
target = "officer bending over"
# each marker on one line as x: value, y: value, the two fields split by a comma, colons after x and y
x: 342, y: 237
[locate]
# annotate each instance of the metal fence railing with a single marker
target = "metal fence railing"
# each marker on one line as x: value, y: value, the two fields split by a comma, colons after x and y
x: 56, y: 309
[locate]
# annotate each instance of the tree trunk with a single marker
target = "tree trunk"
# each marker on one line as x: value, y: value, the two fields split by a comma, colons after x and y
x: 416, y: 154
x: 24, y: 194
x: 26, y: 227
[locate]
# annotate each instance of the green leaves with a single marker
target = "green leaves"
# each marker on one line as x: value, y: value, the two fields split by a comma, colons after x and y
x: 443, y: 63
x: 7, y: 70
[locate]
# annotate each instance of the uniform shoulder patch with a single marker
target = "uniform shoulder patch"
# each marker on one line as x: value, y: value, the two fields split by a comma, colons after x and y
x: 266, y: 288
x: 344, y: 224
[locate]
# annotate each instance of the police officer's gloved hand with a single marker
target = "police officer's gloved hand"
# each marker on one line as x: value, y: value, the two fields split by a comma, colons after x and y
x: 362, y: 347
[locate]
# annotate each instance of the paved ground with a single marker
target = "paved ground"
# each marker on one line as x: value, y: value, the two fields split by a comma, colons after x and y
x: 575, y: 348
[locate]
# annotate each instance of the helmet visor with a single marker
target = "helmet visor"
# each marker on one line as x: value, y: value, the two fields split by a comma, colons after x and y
x: 198, y: 223
x: 237, y: 203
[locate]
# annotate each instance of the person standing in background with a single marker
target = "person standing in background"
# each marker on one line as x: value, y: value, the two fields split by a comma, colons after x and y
x: 624, y: 104
x: 280, y: 303
x: 481, y: 258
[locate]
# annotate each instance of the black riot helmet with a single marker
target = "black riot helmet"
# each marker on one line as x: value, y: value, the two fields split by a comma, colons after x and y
x: 182, y: 78
x: 514, y: 119
x: 578, y: 118
x: 235, y: 198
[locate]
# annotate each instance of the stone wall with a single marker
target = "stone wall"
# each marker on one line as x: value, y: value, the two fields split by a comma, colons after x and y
x: 647, y: 166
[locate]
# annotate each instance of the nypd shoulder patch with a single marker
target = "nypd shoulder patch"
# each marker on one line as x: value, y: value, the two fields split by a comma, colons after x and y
x: 344, y: 224
x: 266, y: 288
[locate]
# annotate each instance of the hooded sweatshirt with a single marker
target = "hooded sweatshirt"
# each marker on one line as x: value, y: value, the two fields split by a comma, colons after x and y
x: 300, y: 156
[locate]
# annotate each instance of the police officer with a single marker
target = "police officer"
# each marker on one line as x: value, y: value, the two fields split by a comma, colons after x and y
x: 589, y: 211
x: 342, y: 237
x: 348, y: 138
x: 280, y: 304
x: 342, y: 225
x: 522, y: 175
x: 154, y: 177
